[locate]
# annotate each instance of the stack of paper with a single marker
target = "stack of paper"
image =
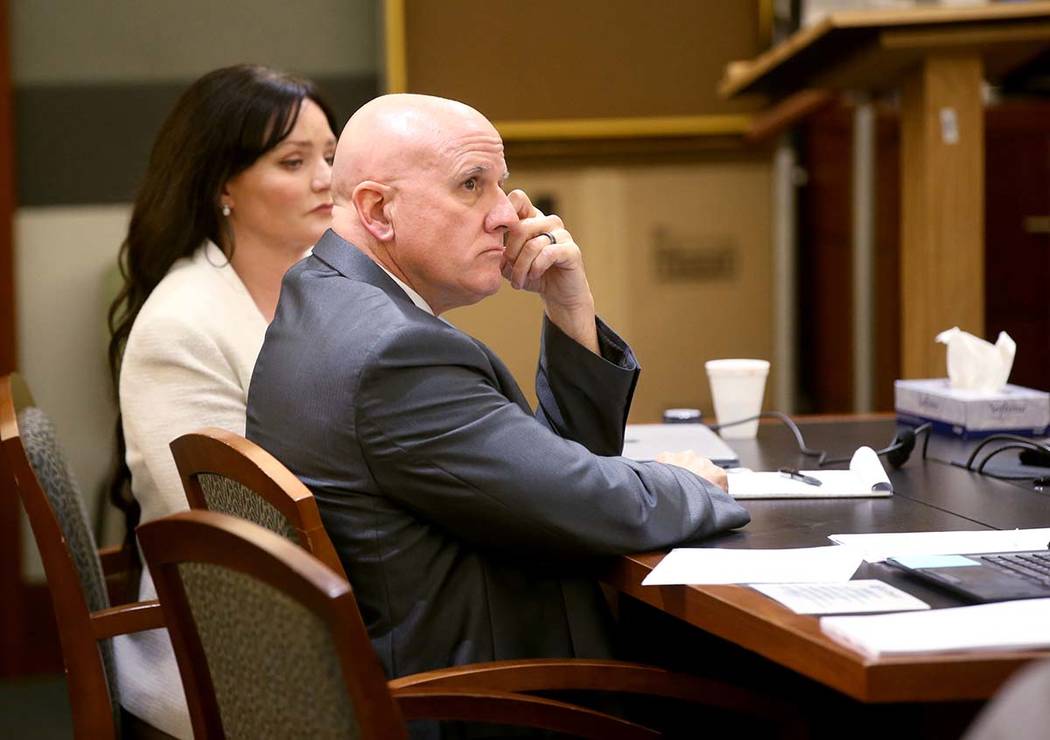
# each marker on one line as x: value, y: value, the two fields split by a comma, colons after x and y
x: 1008, y: 625
x: 852, y: 597
x: 865, y: 477
x: 686, y: 565
x: 876, y: 547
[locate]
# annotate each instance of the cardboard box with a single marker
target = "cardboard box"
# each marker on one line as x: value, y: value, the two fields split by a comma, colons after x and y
x: 971, y: 414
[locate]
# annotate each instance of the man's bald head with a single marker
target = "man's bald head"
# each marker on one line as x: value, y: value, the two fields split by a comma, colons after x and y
x: 392, y: 135
x: 418, y: 187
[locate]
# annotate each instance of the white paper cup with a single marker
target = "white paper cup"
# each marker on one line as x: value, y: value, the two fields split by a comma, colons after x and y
x: 737, y: 387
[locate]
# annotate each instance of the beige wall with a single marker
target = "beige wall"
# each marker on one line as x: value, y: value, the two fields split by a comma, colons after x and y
x: 621, y: 216
x: 63, y: 263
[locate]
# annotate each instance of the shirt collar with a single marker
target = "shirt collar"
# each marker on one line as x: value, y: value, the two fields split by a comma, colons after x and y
x: 416, y: 297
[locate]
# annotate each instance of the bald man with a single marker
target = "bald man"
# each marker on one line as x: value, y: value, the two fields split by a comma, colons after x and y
x: 466, y: 522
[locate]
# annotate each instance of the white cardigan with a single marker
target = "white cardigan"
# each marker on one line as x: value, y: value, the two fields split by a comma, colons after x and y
x: 187, y: 365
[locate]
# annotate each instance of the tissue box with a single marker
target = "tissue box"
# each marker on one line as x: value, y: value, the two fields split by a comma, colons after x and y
x: 970, y: 414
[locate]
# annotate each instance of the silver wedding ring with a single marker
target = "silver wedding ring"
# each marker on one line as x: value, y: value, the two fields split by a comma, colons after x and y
x: 549, y: 236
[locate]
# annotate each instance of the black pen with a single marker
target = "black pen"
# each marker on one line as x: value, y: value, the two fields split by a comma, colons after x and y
x: 809, y: 480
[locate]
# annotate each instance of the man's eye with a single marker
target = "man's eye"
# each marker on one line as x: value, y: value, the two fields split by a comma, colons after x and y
x: 471, y: 184
x: 330, y: 159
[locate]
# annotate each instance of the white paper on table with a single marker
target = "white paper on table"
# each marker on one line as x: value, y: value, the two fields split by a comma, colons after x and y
x: 851, y: 597
x: 878, y: 547
x: 866, y: 477
x: 701, y: 565
x: 1007, y: 625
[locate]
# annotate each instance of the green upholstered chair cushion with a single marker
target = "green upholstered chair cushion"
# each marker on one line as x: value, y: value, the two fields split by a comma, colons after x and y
x: 229, y: 497
x: 272, y: 662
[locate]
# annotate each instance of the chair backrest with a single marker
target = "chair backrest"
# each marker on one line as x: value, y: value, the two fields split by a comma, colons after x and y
x: 222, y: 471
x: 268, y: 639
x: 49, y: 493
x: 1019, y: 710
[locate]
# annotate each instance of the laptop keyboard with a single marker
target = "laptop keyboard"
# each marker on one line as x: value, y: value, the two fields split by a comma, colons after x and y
x: 1035, y: 566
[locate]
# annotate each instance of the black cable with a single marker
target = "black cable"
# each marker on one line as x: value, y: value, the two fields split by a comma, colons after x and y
x: 993, y: 453
x: 789, y: 423
x: 898, y: 443
x: 926, y: 439
x: 1022, y: 441
x: 822, y: 455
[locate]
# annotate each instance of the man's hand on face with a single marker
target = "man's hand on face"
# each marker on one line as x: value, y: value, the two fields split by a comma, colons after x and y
x: 696, y: 464
x: 554, y: 270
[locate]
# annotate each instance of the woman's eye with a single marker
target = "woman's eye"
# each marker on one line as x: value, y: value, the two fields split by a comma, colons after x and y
x: 330, y: 159
x: 291, y: 164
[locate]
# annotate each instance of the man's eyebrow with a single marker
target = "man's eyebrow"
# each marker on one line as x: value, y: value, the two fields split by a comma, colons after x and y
x: 481, y: 169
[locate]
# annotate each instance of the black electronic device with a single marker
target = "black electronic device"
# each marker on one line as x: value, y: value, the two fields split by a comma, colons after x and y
x: 987, y: 577
x: 1035, y: 457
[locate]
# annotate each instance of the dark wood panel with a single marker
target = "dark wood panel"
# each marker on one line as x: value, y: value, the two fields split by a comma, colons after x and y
x: 40, y: 651
x: 1017, y: 260
x: 825, y: 244
x: 826, y: 258
x: 10, y: 524
x: 7, y: 199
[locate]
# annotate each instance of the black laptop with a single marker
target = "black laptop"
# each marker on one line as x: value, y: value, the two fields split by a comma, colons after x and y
x: 994, y: 576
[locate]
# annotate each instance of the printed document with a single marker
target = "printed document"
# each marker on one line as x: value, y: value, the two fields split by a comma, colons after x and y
x: 878, y: 547
x: 865, y: 478
x: 851, y: 597
x: 1006, y: 625
x: 712, y: 565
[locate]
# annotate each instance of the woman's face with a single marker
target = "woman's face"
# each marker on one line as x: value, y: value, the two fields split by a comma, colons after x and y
x: 284, y: 199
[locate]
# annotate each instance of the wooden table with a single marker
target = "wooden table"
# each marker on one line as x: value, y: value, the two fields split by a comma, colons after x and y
x: 925, y: 495
x: 938, y: 58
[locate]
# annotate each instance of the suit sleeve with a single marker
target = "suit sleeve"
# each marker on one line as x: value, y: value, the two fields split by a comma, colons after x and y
x: 443, y: 441
x: 582, y: 396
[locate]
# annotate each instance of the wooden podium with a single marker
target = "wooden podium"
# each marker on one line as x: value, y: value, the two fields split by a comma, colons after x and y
x: 938, y: 58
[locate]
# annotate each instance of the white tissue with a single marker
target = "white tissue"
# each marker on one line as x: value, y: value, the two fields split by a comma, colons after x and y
x: 976, y: 364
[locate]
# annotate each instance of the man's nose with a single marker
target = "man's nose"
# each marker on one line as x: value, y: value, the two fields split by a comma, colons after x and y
x: 502, y: 215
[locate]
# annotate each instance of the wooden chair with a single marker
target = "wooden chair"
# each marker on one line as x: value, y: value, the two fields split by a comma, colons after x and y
x: 270, y: 642
x: 1019, y: 710
x: 33, y: 466
x: 222, y: 471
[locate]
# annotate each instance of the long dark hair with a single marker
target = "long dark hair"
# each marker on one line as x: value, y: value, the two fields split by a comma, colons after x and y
x: 219, y: 127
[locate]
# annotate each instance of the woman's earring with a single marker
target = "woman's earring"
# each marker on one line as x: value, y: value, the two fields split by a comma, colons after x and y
x: 225, y: 210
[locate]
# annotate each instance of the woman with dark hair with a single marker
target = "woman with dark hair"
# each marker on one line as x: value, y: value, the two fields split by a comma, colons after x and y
x: 237, y: 190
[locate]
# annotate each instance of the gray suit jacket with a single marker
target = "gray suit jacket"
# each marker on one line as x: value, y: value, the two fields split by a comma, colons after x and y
x: 465, y: 522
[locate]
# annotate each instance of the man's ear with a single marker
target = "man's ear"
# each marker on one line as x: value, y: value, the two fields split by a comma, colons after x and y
x: 372, y: 202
